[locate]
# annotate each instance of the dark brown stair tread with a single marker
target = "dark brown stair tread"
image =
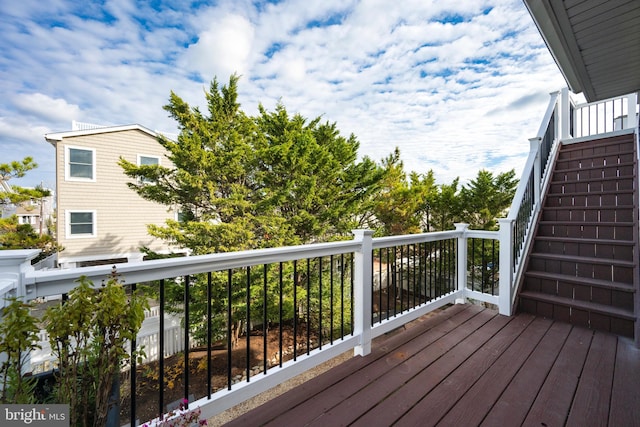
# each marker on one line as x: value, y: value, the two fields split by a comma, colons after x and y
x: 618, y: 286
x: 590, y: 193
x: 585, y: 240
x: 606, y: 207
x: 587, y: 223
x: 591, y: 180
x: 578, y: 304
x: 584, y: 260
x: 586, y: 168
x: 600, y: 141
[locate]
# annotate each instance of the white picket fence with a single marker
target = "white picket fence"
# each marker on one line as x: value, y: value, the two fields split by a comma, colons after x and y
x: 42, y: 360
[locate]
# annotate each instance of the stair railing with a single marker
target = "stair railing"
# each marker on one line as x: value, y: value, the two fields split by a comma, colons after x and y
x: 515, y: 229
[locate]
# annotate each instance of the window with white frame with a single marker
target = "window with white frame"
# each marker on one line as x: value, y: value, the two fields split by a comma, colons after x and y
x: 144, y: 160
x: 81, y: 224
x: 81, y: 164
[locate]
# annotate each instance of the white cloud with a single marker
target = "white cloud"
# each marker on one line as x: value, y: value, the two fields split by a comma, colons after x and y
x: 454, y: 98
x: 46, y: 108
x: 222, y: 49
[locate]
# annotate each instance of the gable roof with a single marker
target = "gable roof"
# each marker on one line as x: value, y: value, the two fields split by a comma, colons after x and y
x: 595, y: 43
x: 55, y: 137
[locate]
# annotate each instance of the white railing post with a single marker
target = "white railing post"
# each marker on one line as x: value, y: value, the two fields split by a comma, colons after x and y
x: 534, y: 147
x: 362, y: 290
x: 13, y: 264
x: 462, y: 260
x: 632, y: 101
x: 564, y: 114
x: 505, y: 295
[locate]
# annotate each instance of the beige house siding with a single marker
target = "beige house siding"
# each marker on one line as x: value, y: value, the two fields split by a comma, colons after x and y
x: 121, y: 216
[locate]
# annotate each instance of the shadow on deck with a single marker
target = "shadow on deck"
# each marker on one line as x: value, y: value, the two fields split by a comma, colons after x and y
x: 466, y: 366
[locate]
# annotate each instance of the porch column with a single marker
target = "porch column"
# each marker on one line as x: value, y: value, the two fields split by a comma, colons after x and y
x: 362, y: 289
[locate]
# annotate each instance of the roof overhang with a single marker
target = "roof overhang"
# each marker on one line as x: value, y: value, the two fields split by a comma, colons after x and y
x: 596, y: 43
x: 53, y: 138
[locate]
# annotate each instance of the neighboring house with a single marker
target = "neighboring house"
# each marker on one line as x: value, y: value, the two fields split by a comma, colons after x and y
x: 37, y: 213
x: 100, y: 220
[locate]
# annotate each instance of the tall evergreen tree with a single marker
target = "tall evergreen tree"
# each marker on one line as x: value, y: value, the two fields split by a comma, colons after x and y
x: 402, y: 203
x: 487, y: 198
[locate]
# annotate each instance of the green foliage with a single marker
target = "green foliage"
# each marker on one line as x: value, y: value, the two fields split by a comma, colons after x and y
x: 276, y: 179
x: 18, y: 169
x: 400, y: 205
x: 18, y: 337
x: 88, y: 334
x: 444, y: 207
x: 487, y: 198
x: 22, y: 236
x: 253, y: 182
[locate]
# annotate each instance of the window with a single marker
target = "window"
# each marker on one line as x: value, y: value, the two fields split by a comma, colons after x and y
x: 81, y: 164
x: 81, y: 223
x: 147, y: 161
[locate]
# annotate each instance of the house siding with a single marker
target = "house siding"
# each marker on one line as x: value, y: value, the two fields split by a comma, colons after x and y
x: 122, y: 216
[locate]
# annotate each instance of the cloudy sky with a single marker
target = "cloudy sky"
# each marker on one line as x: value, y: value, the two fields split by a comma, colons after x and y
x: 456, y: 85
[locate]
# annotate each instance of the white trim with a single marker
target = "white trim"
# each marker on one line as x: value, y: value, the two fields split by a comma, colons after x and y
x: 67, y: 159
x: 58, y: 136
x: 150, y: 156
x: 580, y: 139
x: 142, y: 180
x: 94, y: 225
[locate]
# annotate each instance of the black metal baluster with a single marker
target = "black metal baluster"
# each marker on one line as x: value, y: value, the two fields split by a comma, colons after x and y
x: 389, y: 281
x: 380, y: 286
x: 401, y: 281
x: 320, y: 304
x: 133, y: 369
x: 308, y: 325
x: 247, y: 323
x: 394, y: 278
x: 484, y: 269
x: 280, y: 317
x: 472, y: 261
x: 229, y: 329
x: 441, y: 264
x: 493, y: 267
x: 187, y: 282
x: 295, y: 309
x: 161, y: 353
x: 331, y: 299
x: 264, y: 321
x: 413, y: 273
x: 352, y: 262
x: 209, y: 331
x: 341, y: 296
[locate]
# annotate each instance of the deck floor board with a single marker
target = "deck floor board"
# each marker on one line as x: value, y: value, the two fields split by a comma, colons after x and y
x: 470, y: 366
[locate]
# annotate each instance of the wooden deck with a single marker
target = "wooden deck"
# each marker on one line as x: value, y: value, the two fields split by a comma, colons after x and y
x: 467, y: 366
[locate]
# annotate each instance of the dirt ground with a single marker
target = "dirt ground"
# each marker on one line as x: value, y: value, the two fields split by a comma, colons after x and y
x: 147, y: 375
x: 147, y: 378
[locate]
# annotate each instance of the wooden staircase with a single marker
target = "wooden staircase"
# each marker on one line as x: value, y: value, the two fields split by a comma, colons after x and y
x: 583, y: 264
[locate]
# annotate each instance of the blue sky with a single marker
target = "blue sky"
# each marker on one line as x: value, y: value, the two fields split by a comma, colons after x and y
x: 456, y: 85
